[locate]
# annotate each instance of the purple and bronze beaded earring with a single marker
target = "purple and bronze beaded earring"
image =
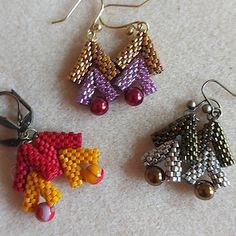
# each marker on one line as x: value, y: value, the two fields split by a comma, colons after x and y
x: 102, y: 79
x: 138, y: 61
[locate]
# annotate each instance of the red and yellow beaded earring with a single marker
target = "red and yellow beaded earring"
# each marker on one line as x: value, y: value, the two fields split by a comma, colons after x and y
x: 43, y: 156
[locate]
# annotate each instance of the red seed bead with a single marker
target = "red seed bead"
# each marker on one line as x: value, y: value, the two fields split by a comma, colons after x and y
x: 60, y: 140
x: 99, y: 106
x: 134, y: 96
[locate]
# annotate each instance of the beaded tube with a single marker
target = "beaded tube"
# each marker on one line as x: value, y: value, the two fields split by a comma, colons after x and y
x: 36, y: 186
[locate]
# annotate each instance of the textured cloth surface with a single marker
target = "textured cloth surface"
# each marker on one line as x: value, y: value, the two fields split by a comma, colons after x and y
x: 196, y: 42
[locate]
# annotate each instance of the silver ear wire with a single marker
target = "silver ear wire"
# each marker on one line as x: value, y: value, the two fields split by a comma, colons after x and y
x: 209, y: 108
x: 215, y: 81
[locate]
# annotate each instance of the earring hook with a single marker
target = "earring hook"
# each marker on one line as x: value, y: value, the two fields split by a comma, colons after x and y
x: 19, y: 114
x: 138, y: 23
x: 68, y: 15
x: 73, y: 9
x: 215, y: 112
x: 127, y: 5
x: 22, y: 123
x: 221, y: 85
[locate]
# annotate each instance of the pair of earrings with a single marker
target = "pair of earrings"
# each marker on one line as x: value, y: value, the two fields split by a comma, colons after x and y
x: 190, y: 152
x: 42, y: 157
x: 102, y: 79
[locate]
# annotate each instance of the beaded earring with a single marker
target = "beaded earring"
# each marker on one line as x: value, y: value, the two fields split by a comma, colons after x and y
x: 202, y: 151
x: 43, y: 156
x: 102, y: 79
x: 137, y: 61
x: 93, y: 70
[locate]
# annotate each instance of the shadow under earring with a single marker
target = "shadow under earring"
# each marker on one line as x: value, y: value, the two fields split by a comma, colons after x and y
x: 94, y: 71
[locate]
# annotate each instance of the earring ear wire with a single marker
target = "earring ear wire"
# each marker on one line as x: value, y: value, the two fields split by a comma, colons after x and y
x: 214, y: 112
x: 74, y: 8
x: 138, y: 25
x: 221, y: 85
x: 22, y: 122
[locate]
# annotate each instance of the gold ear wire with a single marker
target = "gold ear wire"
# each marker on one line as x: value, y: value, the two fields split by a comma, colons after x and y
x: 73, y: 9
x: 138, y: 25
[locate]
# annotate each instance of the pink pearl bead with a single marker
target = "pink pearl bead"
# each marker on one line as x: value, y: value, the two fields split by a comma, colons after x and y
x: 99, y: 106
x: 134, y: 96
x: 44, y: 212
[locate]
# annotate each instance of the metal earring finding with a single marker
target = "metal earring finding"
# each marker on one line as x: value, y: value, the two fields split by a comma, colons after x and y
x: 95, y: 27
x: 25, y: 134
x: 135, y: 25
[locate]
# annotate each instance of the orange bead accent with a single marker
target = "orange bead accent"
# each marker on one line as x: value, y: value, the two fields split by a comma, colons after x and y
x: 36, y: 186
x: 93, y: 174
x: 71, y: 160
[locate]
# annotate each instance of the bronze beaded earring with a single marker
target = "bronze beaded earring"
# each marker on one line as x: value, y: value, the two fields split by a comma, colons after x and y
x: 93, y: 70
x: 204, y: 151
x: 137, y: 61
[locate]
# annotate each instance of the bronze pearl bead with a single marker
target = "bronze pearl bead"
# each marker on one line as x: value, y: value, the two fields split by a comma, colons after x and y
x: 204, y: 190
x: 154, y: 175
